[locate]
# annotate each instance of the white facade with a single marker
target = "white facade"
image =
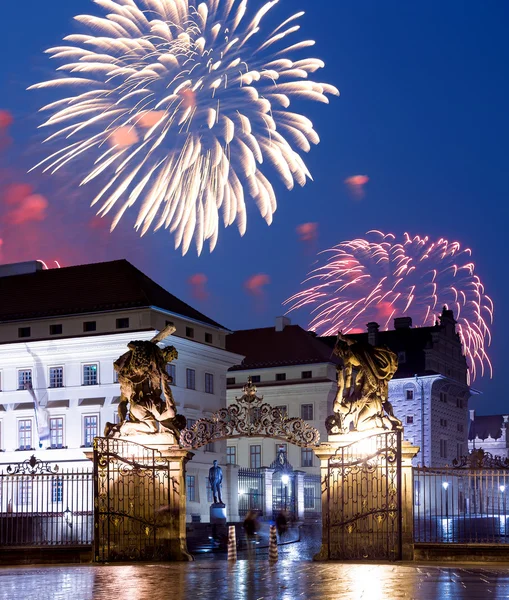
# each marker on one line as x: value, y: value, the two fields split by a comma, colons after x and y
x: 434, y: 412
x: 75, y: 380
x: 307, y: 392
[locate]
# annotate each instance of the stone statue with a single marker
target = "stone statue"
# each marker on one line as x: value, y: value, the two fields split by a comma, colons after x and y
x: 362, y: 400
x: 216, y: 482
x: 146, y: 401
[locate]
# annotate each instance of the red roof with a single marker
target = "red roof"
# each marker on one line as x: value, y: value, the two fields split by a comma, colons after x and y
x: 267, y: 347
x: 99, y: 287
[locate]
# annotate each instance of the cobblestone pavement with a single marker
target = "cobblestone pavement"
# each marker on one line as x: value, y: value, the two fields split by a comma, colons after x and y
x: 286, y: 580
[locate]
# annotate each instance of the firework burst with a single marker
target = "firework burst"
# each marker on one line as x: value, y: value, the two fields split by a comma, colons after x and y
x: 180, y: 104
x: 379, y: 278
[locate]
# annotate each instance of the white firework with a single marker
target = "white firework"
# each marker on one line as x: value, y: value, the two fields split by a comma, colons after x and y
x: 184, y: 107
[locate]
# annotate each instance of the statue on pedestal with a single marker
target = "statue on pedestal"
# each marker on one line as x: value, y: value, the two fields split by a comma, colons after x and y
x: 216, y: 482
x: 362, y: 401
x: 146, y: 401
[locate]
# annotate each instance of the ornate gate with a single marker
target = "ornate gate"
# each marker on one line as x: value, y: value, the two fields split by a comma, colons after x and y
x: 136, y: 496
x: 362, y: 494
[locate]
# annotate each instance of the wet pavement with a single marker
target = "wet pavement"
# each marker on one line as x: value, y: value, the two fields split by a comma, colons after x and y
x: 258, y: 580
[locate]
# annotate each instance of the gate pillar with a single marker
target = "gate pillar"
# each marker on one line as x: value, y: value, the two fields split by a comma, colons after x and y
x: 408, y: 453
x: 367, y: 497
x: 299, y: 495
x: 140, y: 499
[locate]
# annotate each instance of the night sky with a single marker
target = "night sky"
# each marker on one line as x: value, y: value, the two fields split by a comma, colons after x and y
x: 423, y: 113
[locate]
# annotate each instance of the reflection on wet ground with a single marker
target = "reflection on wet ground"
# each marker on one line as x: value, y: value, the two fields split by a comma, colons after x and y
x: 285, y: 580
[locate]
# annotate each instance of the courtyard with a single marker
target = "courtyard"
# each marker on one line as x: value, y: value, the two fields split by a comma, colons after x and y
x: 257, y: 580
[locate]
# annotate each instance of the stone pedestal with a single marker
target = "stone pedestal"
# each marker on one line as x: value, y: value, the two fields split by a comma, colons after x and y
x: 360, y: 496
x: 140, y: 499
x: 218, y: 514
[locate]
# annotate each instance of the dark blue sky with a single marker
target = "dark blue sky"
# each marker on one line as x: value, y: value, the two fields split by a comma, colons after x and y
x: 423, y: 112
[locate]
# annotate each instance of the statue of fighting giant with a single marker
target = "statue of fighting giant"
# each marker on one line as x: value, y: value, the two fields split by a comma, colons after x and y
x: 362, y: 399
x: 146, y: 401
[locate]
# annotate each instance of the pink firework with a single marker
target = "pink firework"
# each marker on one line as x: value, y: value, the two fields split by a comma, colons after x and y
x: 381, y: 277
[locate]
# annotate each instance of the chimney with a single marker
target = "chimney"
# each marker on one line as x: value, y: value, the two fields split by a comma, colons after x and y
x: 403, y: 323
x: 22, y: 268
x: 373, y: 333
x: 282, y: 322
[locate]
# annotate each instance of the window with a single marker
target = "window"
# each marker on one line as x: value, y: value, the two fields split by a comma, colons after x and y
x: 443, y: 422
x: 461, y: 427
x: 307, y: 375
x: 89, y: 326
x: 443, y: 397
x: 309, y: 498
x: 25, y: 492
x: 172, y: 372
x: 255, y: 456
x: 191, y: 488
x: 280, y: 376
x: 210, y: 447
x: 57, y: 491
x: 459, y: 402
x: 190, y: 423
x: 0, y: 381
x: 24, y: 379
x: 443, y: 448
x: 190, y: 379
x: 409, y: 420
x: 123, y: 323
x: 90, y: 375
x: 209, y: 383
x: 402, y: 357
x: 189, y: 332
x: 410, y: 394
x: 306, y: 457
x: 283, y: 409
x: 459, y: 450
x: 208, y: 338
x: 306, y: 412
x: 230, y: 381
x: 255, y: 378
x: 25, y: 434
x: 231, y: 455
x: 90, y: 429
x: 24, y: 332
x: 56, y: 377
x: 55, y: 329
x: 115, y: 376
x: 56, y: 432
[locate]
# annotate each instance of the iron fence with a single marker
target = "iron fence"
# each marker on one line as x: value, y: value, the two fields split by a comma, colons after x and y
x: 251, y: 491
x: 454, y: 505
x: 43, y: 505
x: 312, y: 496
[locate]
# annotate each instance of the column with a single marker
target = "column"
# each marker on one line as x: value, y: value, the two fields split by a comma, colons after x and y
x: 267, y: 498
x: 231, y: 497
x: 299, y: 494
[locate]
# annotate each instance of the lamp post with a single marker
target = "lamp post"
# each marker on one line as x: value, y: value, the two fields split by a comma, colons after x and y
x: 445, y: 485
x: 502, y: 491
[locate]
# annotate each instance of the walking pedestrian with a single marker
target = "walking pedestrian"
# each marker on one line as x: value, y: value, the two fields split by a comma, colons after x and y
x: 281, y: 524
x: 251, y: 526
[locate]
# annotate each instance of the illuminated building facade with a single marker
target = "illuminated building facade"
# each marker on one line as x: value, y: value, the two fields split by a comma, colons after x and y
x: 60, y: 332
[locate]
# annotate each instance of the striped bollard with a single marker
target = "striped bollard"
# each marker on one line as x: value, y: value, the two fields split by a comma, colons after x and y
x: 232, y: 543
x: 273, y: 553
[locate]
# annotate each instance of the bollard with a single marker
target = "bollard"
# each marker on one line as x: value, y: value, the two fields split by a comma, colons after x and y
x: 232, y: 543
x: 273, y: 553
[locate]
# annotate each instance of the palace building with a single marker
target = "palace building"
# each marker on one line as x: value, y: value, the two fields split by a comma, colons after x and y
x: 60, y: 332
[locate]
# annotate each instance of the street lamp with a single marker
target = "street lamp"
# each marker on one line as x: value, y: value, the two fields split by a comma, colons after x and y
x: 445, y: 485
x: 285, y: 479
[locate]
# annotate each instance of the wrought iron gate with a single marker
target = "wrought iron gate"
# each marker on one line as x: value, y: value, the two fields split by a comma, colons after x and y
x: 363, y: 494
x: 135, y: 498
